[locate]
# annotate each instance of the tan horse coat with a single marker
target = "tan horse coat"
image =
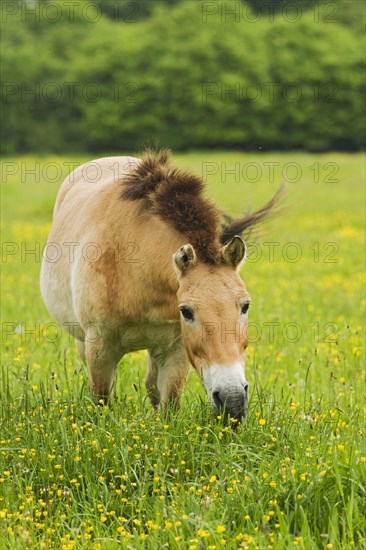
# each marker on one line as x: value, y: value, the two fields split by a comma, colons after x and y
x: 120, y: 278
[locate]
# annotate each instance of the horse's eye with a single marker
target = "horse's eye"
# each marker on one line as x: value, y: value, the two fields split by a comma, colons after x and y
x: 244, y: 308
x: 187, y: 313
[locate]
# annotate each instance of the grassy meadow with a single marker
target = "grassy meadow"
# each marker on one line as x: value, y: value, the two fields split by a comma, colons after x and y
x: 76, y: 475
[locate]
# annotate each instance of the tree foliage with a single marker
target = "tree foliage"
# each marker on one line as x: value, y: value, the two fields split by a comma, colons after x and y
x: 183, y: 74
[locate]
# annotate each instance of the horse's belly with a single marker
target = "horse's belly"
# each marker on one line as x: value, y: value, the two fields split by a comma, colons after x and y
x: 134, y: 337
x: 57, y: 295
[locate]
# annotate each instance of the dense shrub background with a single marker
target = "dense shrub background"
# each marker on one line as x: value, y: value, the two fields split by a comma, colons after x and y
x: 172, y: 73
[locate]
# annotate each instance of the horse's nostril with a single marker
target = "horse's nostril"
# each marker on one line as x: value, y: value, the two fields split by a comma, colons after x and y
x: 217, y: 399
x: 246, y: 387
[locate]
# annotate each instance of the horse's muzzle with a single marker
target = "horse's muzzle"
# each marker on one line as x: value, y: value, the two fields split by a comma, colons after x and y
x: 231, y: 403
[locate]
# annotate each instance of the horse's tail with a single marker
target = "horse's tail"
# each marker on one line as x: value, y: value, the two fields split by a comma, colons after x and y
x: 245, y: 225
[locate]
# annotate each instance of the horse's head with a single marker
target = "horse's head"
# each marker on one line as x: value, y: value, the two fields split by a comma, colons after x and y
x: 213, y: 303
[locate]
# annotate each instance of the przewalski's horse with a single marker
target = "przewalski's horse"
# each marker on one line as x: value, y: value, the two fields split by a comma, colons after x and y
x: 137, y: 258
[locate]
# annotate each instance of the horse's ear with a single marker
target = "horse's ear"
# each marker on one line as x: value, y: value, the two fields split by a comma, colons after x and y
x: 184, y: 259
x: 233, y: 253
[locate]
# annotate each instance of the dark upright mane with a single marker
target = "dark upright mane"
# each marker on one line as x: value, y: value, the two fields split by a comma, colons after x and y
x: 177, y: 197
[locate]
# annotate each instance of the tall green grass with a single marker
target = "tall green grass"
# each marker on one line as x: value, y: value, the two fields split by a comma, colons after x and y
x: 73, y: 474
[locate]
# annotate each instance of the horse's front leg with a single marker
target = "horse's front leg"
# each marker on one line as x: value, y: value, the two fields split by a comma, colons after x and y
x: 167, y: 374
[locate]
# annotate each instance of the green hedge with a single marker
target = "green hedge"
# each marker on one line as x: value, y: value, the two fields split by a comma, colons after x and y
x: 184, y: 77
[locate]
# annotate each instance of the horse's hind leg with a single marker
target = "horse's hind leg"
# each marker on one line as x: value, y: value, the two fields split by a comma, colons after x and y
x: 102, y: 357
x: 151, y: 381
x: 80, y: 346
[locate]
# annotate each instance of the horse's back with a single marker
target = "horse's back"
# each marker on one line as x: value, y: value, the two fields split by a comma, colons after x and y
x: 86, y: 179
